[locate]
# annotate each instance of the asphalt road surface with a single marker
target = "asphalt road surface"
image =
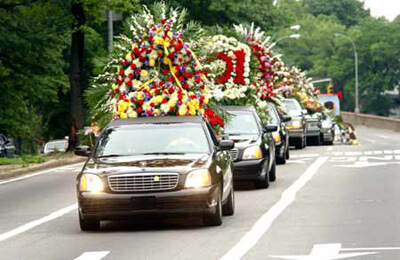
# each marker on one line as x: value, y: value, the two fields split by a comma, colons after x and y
x: 329, y: 202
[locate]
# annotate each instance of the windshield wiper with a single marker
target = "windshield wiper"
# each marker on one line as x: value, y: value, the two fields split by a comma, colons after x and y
x: 163, y: 153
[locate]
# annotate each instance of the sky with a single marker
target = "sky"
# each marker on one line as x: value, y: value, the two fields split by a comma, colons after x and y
x: 388, y: 8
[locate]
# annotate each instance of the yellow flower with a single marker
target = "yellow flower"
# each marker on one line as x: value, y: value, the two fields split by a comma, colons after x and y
x: 123, y: 116
x: 128, y: 57
x: 132, y: 114
x: 139, y: 96
x: 157, y: 111
x: 170, y: 34
x: 144, y: 74
x: 159, y: 99
x: 182, y: 110
x: 172, y: 103
x: 158, y: 40
x: 152, y: 62
x: 167, y: 61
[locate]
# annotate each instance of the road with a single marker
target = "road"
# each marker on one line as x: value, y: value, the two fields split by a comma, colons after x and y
x: 329, y: 202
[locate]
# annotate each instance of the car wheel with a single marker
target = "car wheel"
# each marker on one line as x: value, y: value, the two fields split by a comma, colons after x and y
x: 264, y: 182
x: 88, y: 224
x: 281, y: 159
x: 228, y: 209
x: 214, y: 219
x: 300, y: 144
x: 305, y: 142
x: 287, y: 153
x: 272, y: 173
x: 318, y: 140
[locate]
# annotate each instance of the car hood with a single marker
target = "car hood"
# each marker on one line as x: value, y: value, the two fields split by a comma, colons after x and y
x: 148, y: 163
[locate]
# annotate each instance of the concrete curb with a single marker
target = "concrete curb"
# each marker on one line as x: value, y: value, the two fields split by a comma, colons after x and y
x: 40, y: 167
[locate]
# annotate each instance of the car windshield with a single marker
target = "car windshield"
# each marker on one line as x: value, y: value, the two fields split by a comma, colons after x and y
x: 242, y: 122
x: 59, y: 146
x: 292, y: 107
x: 146, y: 139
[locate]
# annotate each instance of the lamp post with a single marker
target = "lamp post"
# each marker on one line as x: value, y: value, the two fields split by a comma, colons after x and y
x: 293, y: 28
x: 357, y: 108
x: 292, y: 36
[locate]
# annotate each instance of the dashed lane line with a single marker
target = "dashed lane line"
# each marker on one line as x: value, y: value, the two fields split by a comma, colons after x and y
x: 96, y: 255
x: 262, y: 225
x: 38, y: 222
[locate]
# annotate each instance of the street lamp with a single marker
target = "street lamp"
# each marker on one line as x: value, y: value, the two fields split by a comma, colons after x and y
x: 292, y: 36
x: 293, y: 27
x: 357, y: 108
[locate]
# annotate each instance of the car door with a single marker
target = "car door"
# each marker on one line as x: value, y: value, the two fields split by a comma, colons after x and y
x: 224, y: 165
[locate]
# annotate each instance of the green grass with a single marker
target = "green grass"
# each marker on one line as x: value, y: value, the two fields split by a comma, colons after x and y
x: 24, y: 160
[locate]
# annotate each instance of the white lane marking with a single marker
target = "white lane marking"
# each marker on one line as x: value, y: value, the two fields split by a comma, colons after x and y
x: 38, y: 173
x: 97, y: 255
x: 324, y: 252
x: 264, y: 223
x: 370, y: 249
x: 38, y: 222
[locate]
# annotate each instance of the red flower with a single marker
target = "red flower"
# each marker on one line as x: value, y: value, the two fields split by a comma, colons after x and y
x: 165, y: 71
x: 130, y: 75
x: 140, y: 102
x: 139, y: 110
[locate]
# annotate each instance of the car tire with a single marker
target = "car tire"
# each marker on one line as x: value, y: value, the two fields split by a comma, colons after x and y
x: 287, y: 155
x: 264, y: 182
x: 282, y: 159
x: 300, y: 144
x: 318, y: 140
x: 228, y: 209
x: 88, y: 224
x: 272, y: 172
x: 215, y: 218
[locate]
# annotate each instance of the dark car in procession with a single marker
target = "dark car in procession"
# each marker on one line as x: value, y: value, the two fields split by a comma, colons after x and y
x: 281, y: 136
x: 314, y: 129
x: 156, y: 165
x: 297, y: 124
x: 254, y: 152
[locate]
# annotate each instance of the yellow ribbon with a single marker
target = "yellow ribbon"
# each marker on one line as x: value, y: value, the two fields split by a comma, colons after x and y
x: 171, y: 68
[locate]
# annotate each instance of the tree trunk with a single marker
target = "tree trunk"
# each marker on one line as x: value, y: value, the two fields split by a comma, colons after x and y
x: 76, y: 76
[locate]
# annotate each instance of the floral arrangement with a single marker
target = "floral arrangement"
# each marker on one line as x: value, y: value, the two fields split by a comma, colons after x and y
x: 154, y: 72
x: 228, y: 63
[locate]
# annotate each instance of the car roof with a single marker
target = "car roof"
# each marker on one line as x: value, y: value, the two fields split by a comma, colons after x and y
x: 239, y: 108
x: 156, y: 120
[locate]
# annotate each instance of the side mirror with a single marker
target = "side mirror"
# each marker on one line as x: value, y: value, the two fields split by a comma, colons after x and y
x: 286, y: 119
x: 82, y: 150
x: 270, y: 128
x: 225, y: 145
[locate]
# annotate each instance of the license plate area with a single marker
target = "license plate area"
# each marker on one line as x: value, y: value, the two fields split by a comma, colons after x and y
x: 147, y: 202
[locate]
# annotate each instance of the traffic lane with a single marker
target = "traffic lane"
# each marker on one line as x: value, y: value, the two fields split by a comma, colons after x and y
x: 32, y: 198
x: 357, y: 207
x: 178, y: 237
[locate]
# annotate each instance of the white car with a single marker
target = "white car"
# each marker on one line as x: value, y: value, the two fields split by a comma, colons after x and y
x: 60, y: 145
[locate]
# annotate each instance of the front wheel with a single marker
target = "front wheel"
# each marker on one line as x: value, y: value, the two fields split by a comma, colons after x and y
x: 228, y: 209
x: 264, y: 182
x: 215, y: 218
x: 88, y: 224
x: 272, y: 173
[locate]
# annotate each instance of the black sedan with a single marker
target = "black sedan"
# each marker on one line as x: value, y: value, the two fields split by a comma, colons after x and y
x: 297, y: 125
x: 281, y: 136
x: 156, y: 165
x: 254, y: 152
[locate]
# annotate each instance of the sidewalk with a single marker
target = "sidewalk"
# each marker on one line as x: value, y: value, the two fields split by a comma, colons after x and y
x: 11, y: 171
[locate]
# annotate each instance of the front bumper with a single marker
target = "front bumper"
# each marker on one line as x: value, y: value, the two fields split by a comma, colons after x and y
x: 312, y: 132
x: 328, y: 135
x: 106, y: 206
x: 249, y: 170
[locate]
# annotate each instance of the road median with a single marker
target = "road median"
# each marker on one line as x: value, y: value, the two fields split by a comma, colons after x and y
x: 13, y: 171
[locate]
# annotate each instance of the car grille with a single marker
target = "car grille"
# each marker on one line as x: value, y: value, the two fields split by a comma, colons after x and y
x: 143, y: 182
x: 234, y: 153
x: 312, y: 125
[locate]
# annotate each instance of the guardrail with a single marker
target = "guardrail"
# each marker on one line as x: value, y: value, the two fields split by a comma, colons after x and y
x: 372, y: 121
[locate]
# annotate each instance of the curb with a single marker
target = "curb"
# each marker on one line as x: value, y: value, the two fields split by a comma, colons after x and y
x: 43, y: 166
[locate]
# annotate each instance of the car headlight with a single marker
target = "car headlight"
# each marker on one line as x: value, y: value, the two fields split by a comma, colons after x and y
x: 296, y: 124
x: 277, y: 137
x: 252, y: 153
x: 198, y: 178
x: 91, y: 182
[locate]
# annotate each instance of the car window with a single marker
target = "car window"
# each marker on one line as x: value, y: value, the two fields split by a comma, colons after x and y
x: 293, y: 107
x: 274, y: 118
x: 242, y: 122
x: 212, y: 134
x: 57, y: 146
x: 153, y: 138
